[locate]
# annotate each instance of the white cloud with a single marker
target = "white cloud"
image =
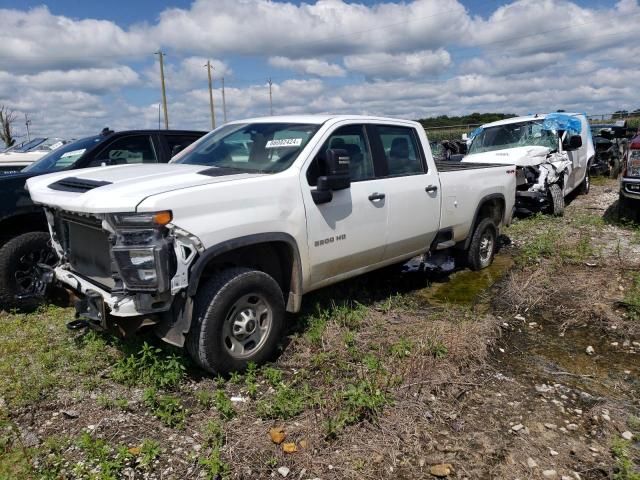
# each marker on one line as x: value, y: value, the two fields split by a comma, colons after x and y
x: 309, y: 66
x: 386, y: 65
x: 37, y: 40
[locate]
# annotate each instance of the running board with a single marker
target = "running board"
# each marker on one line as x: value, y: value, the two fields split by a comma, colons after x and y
x: 446, y: 244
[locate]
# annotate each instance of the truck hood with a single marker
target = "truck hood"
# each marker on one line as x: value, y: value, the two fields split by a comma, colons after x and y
x: 520, y: 156
x: 128, y: 185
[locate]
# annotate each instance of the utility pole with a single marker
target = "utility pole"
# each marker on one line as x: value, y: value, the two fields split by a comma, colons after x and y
x: 213, y: 113
x: 27, y: 122
x: 270, y: 98
x: 158, y: 116
x: 164, y: 93
x: 224, y: 103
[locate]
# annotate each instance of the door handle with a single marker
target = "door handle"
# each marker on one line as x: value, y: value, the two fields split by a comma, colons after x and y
x: 431, y: 188
x: 376, y: 196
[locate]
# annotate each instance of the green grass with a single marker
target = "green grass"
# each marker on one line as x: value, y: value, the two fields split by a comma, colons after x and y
x: 625, y: 467
x: 150, y: 366
x: 167, y: 408
x: 38, y: 355
x: 632, y: 297
x: 287, y: 402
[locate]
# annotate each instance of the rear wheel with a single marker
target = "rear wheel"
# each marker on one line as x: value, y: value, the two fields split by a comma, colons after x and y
x: 22, y: 263
x: 237, y: 319
x: 556, y: 199
x: 585, y: 186
x: 483, y: 245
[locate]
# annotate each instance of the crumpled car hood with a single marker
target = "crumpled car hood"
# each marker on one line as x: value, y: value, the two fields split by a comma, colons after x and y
x: 520, y: 156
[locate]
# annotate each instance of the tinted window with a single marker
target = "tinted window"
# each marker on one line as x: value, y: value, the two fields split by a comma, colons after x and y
x: 177, y: 143
x: 64, y: 156
x: 401, y: 150
x: 352, y: 139
x: 127, y: 150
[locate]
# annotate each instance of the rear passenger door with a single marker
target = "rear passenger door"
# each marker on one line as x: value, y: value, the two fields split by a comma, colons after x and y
x: 411, y: 191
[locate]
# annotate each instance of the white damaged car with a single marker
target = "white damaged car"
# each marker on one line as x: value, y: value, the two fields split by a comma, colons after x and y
x: 552, y: 153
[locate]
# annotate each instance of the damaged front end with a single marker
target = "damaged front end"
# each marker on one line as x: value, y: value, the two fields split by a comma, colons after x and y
x: 127, y: 267
x: 533, y: 182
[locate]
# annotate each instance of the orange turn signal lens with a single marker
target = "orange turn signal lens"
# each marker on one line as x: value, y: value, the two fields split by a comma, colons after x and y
x: 162, y: 218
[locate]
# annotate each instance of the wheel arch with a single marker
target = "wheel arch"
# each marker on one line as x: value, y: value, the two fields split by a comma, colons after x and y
x: 22, y: 222
x: 491, y: 206
x: 274, y: 253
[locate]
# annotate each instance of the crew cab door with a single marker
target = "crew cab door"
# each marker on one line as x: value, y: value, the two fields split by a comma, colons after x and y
x: 411, y: 189
x: 348, y: 232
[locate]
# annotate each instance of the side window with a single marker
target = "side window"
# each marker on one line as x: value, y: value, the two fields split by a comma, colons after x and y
x: 177, y: 143
x: 401, y: 150
x: 127, y: 150
x: 352, y: 139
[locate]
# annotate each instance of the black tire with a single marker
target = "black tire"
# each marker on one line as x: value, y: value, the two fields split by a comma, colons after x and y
x: 556, y: 199
x: 19, y: 270
x: 217, y: 311
x: 483, y: 245
x: 627, y: 209
x: 585, y: 186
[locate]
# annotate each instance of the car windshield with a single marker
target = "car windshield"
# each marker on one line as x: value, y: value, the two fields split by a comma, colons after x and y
x: 250, y: 147
x: 511, y: 135
x: 63, y: 157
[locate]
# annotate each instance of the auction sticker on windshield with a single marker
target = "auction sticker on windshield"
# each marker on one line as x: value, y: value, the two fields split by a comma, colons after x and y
x: 284, y: 142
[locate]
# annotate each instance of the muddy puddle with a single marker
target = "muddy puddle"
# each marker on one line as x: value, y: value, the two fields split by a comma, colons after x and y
x: 465, y: 287
x: 538, y: 350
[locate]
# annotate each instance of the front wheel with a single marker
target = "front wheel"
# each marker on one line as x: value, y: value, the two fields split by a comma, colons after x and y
x: 483, y: 245
x: 238, y: 317
x: 22, y: 263
x: 556, y: 198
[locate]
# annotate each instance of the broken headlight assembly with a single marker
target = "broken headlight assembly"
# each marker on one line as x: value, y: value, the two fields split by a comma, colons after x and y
x: 633, y: 164
x: 141, y: 250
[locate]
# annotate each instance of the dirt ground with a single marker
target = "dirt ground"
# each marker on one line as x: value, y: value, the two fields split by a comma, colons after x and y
x: 529, y: 369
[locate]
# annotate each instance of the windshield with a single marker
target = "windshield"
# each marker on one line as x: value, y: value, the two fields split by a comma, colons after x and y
x: 250, y: 147
x: 511, y: 135
x: 64, y: 156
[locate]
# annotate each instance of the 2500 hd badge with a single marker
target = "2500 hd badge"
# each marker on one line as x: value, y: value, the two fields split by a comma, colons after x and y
x: 327, y: 241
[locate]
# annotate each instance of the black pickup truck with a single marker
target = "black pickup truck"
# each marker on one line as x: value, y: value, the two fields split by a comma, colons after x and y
x: 24, y: 239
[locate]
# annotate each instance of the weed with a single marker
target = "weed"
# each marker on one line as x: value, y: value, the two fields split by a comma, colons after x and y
x: 362, y: 401
x: 107, y: 460
x: 149, y: 451
x: 373, y: 363
x: 150, y: 366
x: 250, y: 380
x: 272, y: 375
x: 204, y: 398
x: 316, y: 324
x: 349, y: 316
x: 625, y: 469
x: 271, y: 462
x: 286, y: 403
x: 632, y: 296
x: 214, y: 467
x: 213, y: 433
x: 223, y: 405
x: 167, y: 408
x: 235, y: 378
x: 437, y: 349
x: 401, y: 349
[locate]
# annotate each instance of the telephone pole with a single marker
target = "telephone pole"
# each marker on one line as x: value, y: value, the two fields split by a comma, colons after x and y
x: 224, y: 103
x: 270, y: 98
x: 27, y: 122
x: 213, y: 113
x: 164, y: 93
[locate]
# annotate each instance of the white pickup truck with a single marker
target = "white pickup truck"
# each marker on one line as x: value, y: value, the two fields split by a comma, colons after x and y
x: 214, y: 247
x: 552, y: 153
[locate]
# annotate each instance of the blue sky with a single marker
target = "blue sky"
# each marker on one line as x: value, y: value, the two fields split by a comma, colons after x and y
x: 75, y: 67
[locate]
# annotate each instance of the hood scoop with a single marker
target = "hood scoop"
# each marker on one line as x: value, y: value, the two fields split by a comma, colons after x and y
x: 78, y: 185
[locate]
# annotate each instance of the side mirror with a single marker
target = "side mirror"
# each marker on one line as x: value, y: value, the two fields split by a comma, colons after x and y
x: 574, y: 143
x: 337, y: 163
